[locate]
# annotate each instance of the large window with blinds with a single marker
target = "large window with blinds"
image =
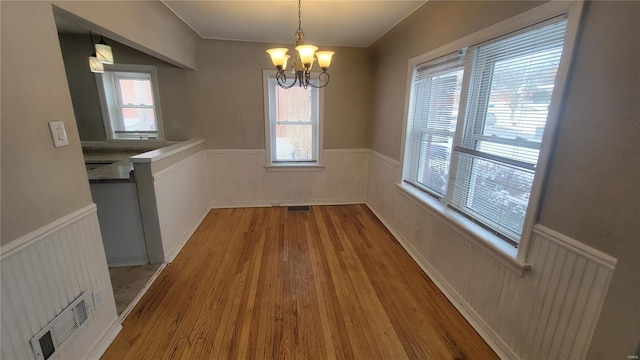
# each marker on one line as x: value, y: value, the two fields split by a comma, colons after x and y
x: 475, y: 123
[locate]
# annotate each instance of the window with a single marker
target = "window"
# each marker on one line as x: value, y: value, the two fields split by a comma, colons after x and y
x: 434, y: 108
x: 476, y: 118
x: 293, y: 123
x: 128, y: 97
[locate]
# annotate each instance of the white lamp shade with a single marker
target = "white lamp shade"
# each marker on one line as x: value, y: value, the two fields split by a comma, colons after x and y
x: 95, y: 66
x: 306, y: 53
x: 324, y: 58
x: 278, y: 56
x: 104, y: 53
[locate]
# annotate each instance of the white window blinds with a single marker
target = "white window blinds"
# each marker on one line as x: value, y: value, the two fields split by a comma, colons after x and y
x: 511, y: 82
x: 433, y: 113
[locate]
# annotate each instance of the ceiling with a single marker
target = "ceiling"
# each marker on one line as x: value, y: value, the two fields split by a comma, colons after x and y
x: 356, y: 23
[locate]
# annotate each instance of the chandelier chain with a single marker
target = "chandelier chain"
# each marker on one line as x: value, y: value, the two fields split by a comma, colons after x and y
x: 300, y: 15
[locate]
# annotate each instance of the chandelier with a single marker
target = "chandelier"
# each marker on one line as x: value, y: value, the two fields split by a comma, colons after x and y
x: 302, y: 61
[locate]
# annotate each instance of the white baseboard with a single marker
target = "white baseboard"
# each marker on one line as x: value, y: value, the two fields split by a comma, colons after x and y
x: 484, y: 330
x: 102, y: 344
x: 171, y: 255
x: 246, y: 204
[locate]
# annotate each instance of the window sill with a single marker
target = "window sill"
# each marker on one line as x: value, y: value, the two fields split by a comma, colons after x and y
x: 294, y: 167
x: 495, y: 247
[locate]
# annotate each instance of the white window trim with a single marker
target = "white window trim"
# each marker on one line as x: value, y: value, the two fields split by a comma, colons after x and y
x: 514, y: 258
x: 104, y: 104
x: 292, y: 166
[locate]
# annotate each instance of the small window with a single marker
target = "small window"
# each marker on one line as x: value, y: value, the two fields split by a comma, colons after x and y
x: 128, y: 97
x: 293, y: 120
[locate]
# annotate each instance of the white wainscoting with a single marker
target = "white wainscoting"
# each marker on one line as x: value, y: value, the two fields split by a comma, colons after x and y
x: 43, y: 272
x: 238, y: 178
x: 548, y: 313
x: 183, y: 201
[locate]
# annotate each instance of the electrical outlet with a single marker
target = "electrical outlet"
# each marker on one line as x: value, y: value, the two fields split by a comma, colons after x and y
x: 418, y: 232
x: 275, y: 203
x: 97, y: 298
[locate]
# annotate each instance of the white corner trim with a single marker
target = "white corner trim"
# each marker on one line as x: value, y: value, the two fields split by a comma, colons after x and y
x: 27, y: 240
x: 576, y: 247
x: 484, y: 330
x: 385, y: 158
x: 171, y: 255
x: 102, y: 344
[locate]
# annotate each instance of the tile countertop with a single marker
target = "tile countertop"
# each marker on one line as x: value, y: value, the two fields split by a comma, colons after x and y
x: 118, y: 166
x: 121, y: 171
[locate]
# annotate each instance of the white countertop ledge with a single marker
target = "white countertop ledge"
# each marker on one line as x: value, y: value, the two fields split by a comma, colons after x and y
x: 165, y: 152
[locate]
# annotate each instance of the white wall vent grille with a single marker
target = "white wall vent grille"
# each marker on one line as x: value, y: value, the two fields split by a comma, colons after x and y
x: 55, y: 335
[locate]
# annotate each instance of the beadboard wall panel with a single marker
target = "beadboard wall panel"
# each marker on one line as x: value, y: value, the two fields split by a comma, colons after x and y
x: 548, y: 313
x: 182, y: 200
x: 238, y: 178
x: 43, y: 272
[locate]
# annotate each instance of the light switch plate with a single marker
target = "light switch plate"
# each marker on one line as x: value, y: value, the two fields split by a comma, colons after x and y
x: 58, y: 133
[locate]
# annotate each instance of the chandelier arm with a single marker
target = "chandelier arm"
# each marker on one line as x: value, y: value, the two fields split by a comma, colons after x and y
x: 281, y: 79
x: 323, y: 80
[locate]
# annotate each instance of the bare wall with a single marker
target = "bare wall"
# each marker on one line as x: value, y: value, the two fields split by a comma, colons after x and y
x: 592, y: 190
x: 593, y: 187
x: 172, y: 87
x: 227, y: 101
x: 40, y: 183
x: 435, y: 24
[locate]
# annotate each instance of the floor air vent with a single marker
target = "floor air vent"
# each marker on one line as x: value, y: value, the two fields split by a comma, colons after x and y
x: 298, y: 208
x: 55, y: 335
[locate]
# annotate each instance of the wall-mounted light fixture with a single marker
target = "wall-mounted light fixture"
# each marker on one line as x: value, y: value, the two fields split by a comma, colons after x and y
x: 94, y: 64
x: 103, y: 52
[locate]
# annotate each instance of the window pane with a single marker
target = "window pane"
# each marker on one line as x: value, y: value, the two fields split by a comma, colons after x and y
x: 135, y: 92
x: 294, y: 142
x: 498, y: 195
x: 136, y: 119
x: 433, y: 170
x: 511, y: 83
x: 433, y: 114
x: 293, y: 104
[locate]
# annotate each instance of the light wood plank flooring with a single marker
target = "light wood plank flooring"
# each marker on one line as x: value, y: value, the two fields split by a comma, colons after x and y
x: 262, y: 283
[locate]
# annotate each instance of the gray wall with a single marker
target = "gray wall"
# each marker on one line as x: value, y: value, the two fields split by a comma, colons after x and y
x: 227, y: 101
x: 593, y: 187
x: 592, y: 190
x: 145, y: 25
x: 40, y: 183
x: 222, y: 101
x: 172, y: 87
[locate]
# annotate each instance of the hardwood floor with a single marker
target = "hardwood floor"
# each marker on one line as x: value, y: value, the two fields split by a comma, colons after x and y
x: 263, y: 283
